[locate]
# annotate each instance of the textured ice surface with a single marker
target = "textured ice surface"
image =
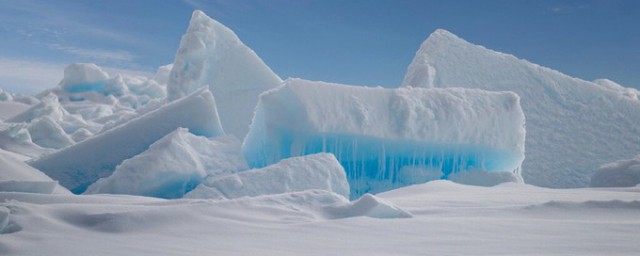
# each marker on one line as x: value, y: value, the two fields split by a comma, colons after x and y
x: 318, y: 171
x: 380, y: 135
x: 622, y: 173
x: 210, y: 54
x: 573, y: 126
x: 83, y: 163
x: 173, y: 166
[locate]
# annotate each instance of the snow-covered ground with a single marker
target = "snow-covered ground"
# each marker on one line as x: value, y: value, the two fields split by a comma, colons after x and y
x: 127, y: 142
x: 446, y: 219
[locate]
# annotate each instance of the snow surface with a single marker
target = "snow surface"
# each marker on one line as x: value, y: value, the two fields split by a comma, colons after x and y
x: 210, y: 54
x: 375, y: 132
x: 446, y: 219
x: 173, y: 166
x: 573, y: 126
x: 622, y: 173
x: 79, y: 165
x: 318, y: 171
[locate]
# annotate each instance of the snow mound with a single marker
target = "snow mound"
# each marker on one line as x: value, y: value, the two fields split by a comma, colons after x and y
x: 15, y: 138
x: 367, y: 205
x: 210, y: 54
x: 623, y: 173
x: 573, y: 126
x: 79, y: 165
x: 16, y: 176
x: 173, y: 166
x: 318, y: 171
x: 377, y: 133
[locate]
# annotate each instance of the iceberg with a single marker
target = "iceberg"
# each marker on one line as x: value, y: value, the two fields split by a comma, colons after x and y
x: 81, y: 164
x: 210, y: 54
x: 173, y: 166
x: 573, y: 126
x: 313, y: 172
x: 388, y: 138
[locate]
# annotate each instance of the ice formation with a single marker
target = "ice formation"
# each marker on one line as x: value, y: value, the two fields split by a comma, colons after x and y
x: 573, y: 126
x: 83, y: 163
x: 622, y: 173
x: 210, y: 54
x: 386, y: 138
x: 16, y: 176
x: 319, y: 171
x: 173, y: 166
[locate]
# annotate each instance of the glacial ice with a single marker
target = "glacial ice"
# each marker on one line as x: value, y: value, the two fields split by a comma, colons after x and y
x: 573, y: 126
x: 387, y: 138
x: 83, y: 77
x: 211, y: 54
x: 622, y: 173
x: 83, y: 163
x: 318, y: 171
x: 173, y: 166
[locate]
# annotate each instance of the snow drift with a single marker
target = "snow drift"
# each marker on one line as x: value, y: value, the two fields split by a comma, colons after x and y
x: 319, y: 171
x: 573, y: 126
x: 79, y: 165
x: 173, y: 166
x: 210, y: 54
x: 622, y: 173
x: 386, y: 138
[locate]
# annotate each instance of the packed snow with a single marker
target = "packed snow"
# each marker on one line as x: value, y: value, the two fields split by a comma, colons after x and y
x: 166, y: 160
x: 210, y: 54
x: 319, y: 171
x: 173, y: 166
x: 80, y: 165
x: 573, y: 126
x: 387, y: 138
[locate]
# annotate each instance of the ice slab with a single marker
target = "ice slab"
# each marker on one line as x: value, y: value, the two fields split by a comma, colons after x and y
x: 573, y: 126
x: 318, y: 171
x: 210, y: 54
x: 173, y: 166
x: 379, y: 135
x: 79, y: 165
x: 16, y: 176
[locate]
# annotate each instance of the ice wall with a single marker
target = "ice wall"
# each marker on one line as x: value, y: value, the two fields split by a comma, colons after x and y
x: 210, y: 54
x: 83, y: 163
x: 388, y: 138
x: 573, y: 126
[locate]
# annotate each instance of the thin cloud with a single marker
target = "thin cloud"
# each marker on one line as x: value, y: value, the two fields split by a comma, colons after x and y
x: 96, y: 54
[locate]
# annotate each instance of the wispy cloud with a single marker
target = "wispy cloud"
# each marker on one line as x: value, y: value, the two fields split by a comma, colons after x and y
x: 96, y: 54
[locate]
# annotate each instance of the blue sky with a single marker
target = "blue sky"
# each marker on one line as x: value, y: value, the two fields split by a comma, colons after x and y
x: 362, y: 42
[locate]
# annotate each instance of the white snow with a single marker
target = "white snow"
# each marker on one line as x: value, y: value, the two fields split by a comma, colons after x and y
x: 173, y: 166
x: 318, y: 171
x: 374, y: 132
x: 622, y: 173
x: 446, y: 219
x: 17, y: 176
x: 573, y: 126
x: 210, y: 54
x: 79, y: 165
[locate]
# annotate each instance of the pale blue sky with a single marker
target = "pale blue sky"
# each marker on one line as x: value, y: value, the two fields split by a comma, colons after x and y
x: 363, y: 42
